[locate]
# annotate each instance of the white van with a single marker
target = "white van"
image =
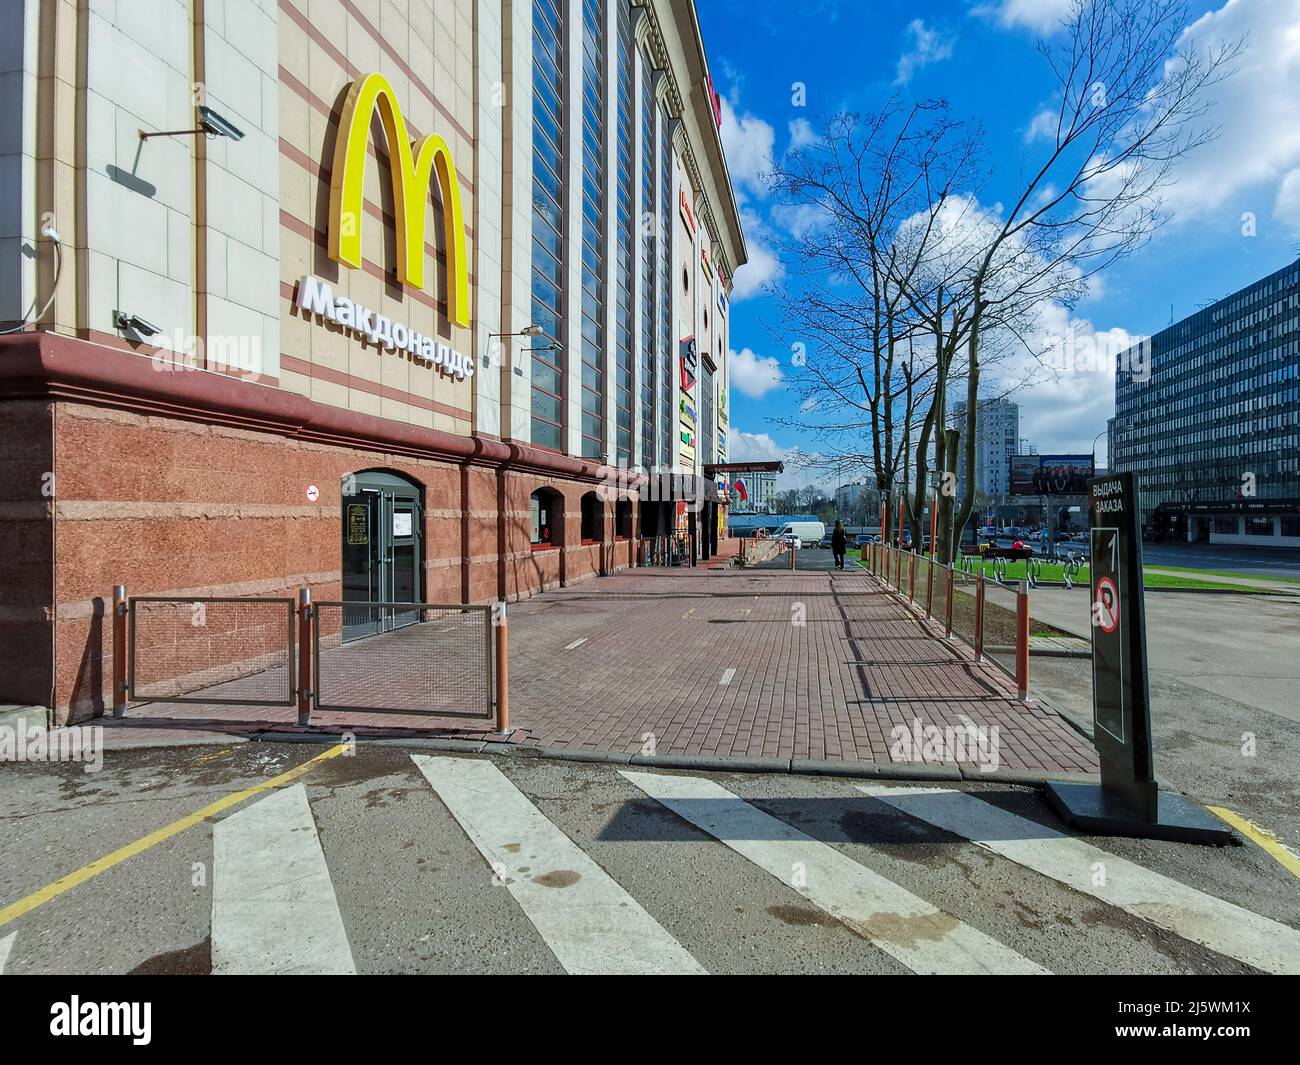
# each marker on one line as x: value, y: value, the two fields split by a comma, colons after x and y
x: 809, y: 532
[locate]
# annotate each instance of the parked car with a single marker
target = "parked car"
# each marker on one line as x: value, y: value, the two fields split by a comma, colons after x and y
x: 865, y: 540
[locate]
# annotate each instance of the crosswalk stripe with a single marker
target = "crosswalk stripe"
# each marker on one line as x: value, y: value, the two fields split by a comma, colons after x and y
x: 273, y: 905
x: 6, y: 945
x: 1222, y: 926
x: 903, y: 925
x: 586, y: 918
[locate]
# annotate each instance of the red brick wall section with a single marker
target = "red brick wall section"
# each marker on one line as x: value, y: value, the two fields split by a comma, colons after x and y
x: 26, y: 551
x: 172, y: 507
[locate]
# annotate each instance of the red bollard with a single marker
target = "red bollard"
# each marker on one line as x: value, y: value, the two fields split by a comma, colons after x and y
x: 503, y: 675
x: 1022, y: 642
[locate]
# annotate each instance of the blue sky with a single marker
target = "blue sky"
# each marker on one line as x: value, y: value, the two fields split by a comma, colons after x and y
x: 852, y: 54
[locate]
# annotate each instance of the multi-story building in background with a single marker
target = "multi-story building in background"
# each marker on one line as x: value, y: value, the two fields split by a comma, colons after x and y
x: 760, y: 487
x: 1207, y: 414
x: 260, y: 340
x: 997, y: 433
x: 852, y: 502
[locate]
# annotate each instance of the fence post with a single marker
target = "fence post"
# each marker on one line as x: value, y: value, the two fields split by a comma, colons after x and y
x: 503, y: 672
x: 119, y: 650
x: 979, y: 617
x: 911, y: 580
x: 947, y: 625
x: 1022, y: 642
x: 929, y: 589
x: 793, y: 549
x: 306, y: 641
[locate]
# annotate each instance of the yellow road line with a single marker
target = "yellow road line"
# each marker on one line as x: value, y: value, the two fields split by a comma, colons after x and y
x: 67, y: 883
x: 1260, y: 836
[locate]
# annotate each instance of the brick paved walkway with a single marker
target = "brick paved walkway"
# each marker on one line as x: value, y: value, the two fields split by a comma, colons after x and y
x: 825, y: 666
x: 722, y: 662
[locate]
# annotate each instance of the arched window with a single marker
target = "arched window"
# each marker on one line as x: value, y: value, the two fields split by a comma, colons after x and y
x: 547, y: 507
x: 623, y: 519
x: 593, y: 519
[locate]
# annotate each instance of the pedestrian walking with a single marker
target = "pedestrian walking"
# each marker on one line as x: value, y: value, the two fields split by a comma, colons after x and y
x: 839, y: 544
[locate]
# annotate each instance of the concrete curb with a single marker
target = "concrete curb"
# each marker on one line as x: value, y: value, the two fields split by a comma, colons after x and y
x: 1244, y: 590
x: 938, y: 774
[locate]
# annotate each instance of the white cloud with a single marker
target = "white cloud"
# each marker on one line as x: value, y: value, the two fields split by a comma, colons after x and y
x: 926, y: 46
x: 754, y: 375
x: 747, y: 142
x: 1072, y: 393
x: 1256, y: 110
x: 1040, y: 16
x: 802, y: 134
x: 1043, y: 126
x: 800, y: 469
x: 1287, y: 207
x: 763, y: 265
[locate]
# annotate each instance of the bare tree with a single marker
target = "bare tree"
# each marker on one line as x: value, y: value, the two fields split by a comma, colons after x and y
x: 905, y: 288
x: 1128, y: 103
x: 861, y: 378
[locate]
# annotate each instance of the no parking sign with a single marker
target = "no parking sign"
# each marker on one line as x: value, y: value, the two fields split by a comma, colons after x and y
x: 1105, y: 606
x: 1120, y: 713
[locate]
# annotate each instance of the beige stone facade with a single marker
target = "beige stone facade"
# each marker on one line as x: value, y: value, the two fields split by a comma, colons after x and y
x: 166, y: 401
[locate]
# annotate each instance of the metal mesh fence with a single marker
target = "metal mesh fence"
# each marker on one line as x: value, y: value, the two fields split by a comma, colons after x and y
x: 923, y: 569
x: 404, y: 658
x: 211, y: 650
x: 1000, y: 626
x: 964, y: 607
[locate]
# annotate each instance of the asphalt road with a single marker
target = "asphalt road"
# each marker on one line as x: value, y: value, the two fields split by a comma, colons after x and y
x: 1224, y: 674
x: 397, y: 860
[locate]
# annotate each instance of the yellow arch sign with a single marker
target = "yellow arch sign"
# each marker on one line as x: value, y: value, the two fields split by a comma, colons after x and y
x: 412, y: 172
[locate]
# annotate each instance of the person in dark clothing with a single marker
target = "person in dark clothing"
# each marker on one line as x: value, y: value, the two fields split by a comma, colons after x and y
x: 839, y: 544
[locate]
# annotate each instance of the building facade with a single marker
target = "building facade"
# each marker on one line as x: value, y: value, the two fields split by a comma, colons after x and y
x: 997, y: 432
x: 380, y: 299
x: 1207, y: 414
x: 760, y: 489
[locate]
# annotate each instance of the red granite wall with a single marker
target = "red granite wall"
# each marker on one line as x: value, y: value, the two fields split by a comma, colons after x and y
x: 174, y: 507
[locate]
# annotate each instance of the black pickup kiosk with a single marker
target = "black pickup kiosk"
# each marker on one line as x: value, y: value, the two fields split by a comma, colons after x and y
x: 1128, y: 801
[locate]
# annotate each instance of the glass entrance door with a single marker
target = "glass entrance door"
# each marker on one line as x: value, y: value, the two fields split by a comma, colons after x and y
x: 381, y: 554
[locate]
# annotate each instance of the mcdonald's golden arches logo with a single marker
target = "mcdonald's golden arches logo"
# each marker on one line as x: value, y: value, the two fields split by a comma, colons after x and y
x: 413, y: 167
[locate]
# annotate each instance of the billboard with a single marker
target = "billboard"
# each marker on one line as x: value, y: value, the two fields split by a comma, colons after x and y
x: 1050, y: 475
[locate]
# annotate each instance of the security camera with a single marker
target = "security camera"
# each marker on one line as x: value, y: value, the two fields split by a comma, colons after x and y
x: 215, y: 124
x: 135, y: 324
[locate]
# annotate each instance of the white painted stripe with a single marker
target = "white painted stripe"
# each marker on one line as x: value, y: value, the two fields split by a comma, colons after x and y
x: 576, y: 643
x: 904, y: 926
x: 273, y: 906
x: 726, y: 676
x: 6, y: 945
x: 1221, y: 926
x: 590, y: 923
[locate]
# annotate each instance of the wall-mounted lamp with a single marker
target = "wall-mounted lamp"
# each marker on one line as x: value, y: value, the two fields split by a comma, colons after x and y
x: 531, y: 330
x: 210, y: 123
